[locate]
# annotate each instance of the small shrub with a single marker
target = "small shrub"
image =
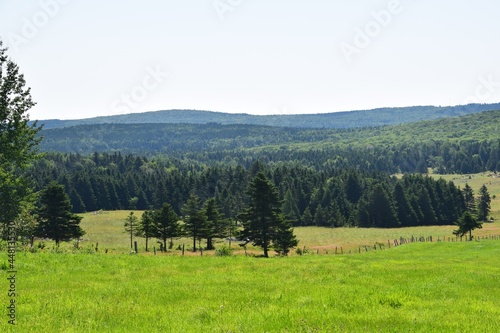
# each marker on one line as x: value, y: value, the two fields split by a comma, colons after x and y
x: 4, y: 266
x: 224, y: 251
x: 298, y: 251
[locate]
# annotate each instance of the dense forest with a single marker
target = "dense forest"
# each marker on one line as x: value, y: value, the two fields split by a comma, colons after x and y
x: 328, y: 197
x: 349, y: 119
x: 324, y: 177
x: 454, y: 145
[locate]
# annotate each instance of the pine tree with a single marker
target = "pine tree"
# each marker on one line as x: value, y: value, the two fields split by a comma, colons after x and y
x: 131, y: 226
x: 146, y: 227
x: 263, y: 223
x: 284, y: 240
x: 484, y: 204
x: 466, y: 223
x: 166, y: 224
x: 290, y: 208
x: 470, y: 201
x: 217, y: 226
x: 195, y: 221
x: 54, y: 215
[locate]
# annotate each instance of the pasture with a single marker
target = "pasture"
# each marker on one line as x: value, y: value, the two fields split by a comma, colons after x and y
x: 417, y: 287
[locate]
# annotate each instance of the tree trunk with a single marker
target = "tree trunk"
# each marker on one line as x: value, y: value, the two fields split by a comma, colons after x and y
x: 164, y: 244
x: 147, y: 244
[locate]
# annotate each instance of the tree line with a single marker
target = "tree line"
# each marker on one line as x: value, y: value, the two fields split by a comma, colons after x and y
x: 330, y: 197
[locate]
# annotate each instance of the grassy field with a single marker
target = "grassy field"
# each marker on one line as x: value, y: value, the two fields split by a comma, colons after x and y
x: 419, y: 287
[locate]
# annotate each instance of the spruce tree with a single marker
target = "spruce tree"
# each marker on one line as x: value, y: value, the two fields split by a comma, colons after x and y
x: 165, y: 224
x: 55, y: 220
x: 195, y: 221
x: 466, y: 224
x: 131, y: 226
x: 217, y: 226
x: 470, y: 201
x: 146, y: 227
x: 484, y: 204
x: 263, y: 223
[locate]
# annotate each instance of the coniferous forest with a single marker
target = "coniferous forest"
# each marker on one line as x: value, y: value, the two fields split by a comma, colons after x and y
x: 328, y: 197
x: 324, y: 177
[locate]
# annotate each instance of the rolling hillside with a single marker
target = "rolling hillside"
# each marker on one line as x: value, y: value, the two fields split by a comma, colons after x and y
x: 350, y: 119
x: 151, y: 139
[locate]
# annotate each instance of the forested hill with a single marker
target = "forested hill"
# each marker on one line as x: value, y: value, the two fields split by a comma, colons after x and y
x: 151, y: 139
x: 350, y: 119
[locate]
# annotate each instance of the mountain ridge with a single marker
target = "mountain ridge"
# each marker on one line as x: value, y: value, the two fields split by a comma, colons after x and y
x: 343, y: 119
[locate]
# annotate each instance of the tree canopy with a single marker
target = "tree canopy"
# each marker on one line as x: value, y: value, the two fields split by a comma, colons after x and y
x: 54, y: 215
x: 18, y: 140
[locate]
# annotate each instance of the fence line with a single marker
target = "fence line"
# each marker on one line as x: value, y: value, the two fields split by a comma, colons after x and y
x: 402, y: 241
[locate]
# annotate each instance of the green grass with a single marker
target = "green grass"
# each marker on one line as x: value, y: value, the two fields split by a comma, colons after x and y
x: 420, y: 287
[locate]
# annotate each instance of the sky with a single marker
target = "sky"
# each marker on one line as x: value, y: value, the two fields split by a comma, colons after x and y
x: 88, y: 58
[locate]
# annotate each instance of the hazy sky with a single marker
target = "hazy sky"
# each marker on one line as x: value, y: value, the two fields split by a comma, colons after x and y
x: 85, y: 58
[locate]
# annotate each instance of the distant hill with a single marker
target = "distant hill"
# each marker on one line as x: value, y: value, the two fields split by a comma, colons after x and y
x: 151, y: 139
x: 349, y: 119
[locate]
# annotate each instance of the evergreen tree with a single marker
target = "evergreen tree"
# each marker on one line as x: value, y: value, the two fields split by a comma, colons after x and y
x: 166, y: 224
x: 55, y: 220
x: 307, y: 218
x: 284, y: 240
x: 320, y: 219
x: 217, y: 226
x: 290, y: 208
x: 470, y: 201
x: 18, y: 141
x: 146, y: 227
x: 195, y: 221
x: 466, y: 223
x: 378, y: 210
x: 484, y: 204
x: 404, y: 210
x: 131, y: 226
x: 263, y: 223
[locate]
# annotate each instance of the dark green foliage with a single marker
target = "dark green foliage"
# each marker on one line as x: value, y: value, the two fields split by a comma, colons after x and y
x: 195, y: 220
x: 377, y: 209
x: 470, y: 200
x: 314, y: 197
x: 18, y: 141
x: 466, y: 224
x: 147, y: 227
x: 263, y: 223
x: 455, y: 145
x: 484, y: 204
x: 216, y: 225
x: 54, y: 215
x: 165, y: 224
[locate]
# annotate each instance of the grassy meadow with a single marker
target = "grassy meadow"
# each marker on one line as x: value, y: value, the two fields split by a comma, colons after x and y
x: 418, y: 287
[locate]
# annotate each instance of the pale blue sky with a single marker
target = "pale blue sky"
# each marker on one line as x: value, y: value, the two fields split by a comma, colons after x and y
x: 85, y: 58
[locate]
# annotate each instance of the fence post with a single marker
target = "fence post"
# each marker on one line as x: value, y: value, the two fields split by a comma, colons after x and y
x: 182, y: 249
x: 154, y: 249
x: 135, y: 247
